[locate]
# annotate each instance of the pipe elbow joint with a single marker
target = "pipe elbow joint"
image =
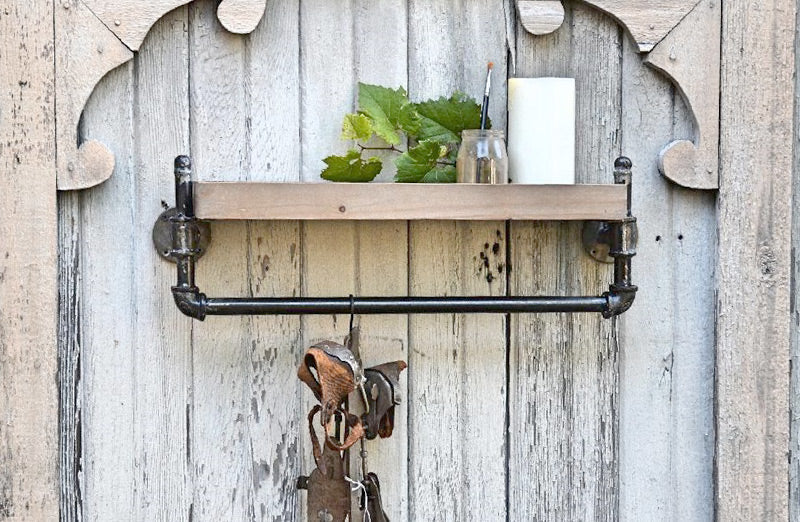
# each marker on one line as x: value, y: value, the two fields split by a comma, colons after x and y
x: 619, y: 300
x: 190, y: 301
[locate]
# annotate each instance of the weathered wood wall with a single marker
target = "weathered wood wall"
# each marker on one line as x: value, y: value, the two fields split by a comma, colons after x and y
x: 28, y: 253
x: 553, y: 418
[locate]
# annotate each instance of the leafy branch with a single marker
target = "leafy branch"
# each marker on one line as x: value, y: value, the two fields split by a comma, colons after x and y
x: 433, y: 129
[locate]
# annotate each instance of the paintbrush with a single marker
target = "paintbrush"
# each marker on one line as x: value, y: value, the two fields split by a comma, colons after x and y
x: 485, y: 106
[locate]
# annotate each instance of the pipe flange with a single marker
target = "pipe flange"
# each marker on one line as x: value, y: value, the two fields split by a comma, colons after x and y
x: 597, y: 238
x: 163, y: 230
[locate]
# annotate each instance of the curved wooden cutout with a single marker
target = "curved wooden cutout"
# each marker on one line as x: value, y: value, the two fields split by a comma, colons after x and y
x: 86, y: 51
x: 94, y: 37
x: 241, y: 16
x: 540, y: 16
x: 685, y: 58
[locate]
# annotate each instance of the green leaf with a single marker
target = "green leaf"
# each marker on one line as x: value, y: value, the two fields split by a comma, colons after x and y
x: 351, y: 167
x: 420, y: 163
x: 356, y: 127
x: 440, y: 174
x: 389, y: 110
x: 445, y: 118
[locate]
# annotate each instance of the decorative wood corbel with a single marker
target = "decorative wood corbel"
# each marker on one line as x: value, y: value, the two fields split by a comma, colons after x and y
x: 93, y: 37
x: 690, y: 57
x: 682, y: 40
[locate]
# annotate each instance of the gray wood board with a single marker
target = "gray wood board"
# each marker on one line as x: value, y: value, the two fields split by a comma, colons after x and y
x: 754, y: 260
x: 208, y: 420
x: 29, y: 438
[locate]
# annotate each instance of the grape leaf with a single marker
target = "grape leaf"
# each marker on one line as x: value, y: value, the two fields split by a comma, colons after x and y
x: 445, y: 118
x: 351, y: 167
x: 419, y: 162
x: 440, y: 174
x: 356, y: 127
x: 389, y: 111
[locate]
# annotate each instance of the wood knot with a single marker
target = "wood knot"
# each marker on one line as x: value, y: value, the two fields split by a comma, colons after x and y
x: 767, y: 261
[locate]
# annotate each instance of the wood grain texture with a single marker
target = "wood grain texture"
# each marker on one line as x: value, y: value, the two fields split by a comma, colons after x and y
x: 564, y: 400
x: 381, y: 251
x: 28, y: 273
x: 161, y: 346
x: 149, y: 354
x: 108, y: 311
x: 794, y: 422
x: 69, y: 357
x: 329, y: 257
x: 753, y: 270
x: 222, y: 451
x: 686, y: 56
x: 667, y: 339
x: 457, y: 372
x: 276, y: 423
x: 384, y: 201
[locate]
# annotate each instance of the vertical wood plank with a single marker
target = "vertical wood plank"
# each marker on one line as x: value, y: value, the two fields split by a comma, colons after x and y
x: 457, y: 371
x: 364, y: 258
x: 276, y: 422
x: 794, y: 391
x: 220, y: 447
x: 108, y: 312
x: 753, y: 269
x: 328, y: 92
x: 380, y: 57
x: 667, y: 338
x: 564, y: 398
x: 692, y: 361
x: 28, y: 273
x: 161, y: 345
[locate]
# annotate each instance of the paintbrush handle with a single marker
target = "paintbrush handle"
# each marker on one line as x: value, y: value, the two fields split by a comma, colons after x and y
x: 484, y: 111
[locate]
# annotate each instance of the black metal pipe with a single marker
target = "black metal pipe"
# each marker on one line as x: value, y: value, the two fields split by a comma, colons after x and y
x: 402, y: 305
x: 184, y: 229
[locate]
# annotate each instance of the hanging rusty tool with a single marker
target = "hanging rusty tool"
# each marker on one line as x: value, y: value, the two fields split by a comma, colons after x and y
x: 333, y: 371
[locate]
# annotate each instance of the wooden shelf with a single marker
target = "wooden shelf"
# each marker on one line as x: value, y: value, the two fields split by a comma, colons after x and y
x: 408, y: 201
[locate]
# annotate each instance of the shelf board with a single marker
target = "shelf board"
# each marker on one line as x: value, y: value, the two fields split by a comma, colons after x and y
x: 408, y: 201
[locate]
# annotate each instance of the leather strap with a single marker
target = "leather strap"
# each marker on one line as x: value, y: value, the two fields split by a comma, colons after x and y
x: 354, y: 428
x: 335, y: 378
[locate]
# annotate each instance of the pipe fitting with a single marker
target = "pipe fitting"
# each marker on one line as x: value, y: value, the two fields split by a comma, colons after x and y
x: 190, y: 301
x: 619, y: 300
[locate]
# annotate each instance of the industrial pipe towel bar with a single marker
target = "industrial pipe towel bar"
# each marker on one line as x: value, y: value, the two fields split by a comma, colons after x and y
x: 186, y: 239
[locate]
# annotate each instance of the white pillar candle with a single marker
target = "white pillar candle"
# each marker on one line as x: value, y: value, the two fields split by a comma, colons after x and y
x: 541, y: 130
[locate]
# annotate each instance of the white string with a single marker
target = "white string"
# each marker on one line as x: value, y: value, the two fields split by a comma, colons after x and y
x: 356, y: 486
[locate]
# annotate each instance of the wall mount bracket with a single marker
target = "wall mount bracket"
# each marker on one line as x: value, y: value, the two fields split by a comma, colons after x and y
x: 181, y: 237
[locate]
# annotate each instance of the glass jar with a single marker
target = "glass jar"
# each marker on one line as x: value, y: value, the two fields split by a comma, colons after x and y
x: 482, y: 157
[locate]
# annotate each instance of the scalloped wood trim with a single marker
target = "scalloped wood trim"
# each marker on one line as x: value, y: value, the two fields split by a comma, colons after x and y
x: 648, y: 21
x: 94, y: 37
x: 678, y: 35
x: 686, y: 56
